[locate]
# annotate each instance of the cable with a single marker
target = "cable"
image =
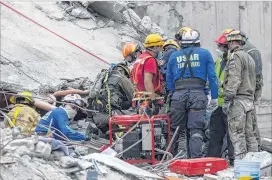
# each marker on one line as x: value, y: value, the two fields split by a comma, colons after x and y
x: 170, y: 144
x: 21, y: 69
x: 138, y: 140
x: 21, y: 14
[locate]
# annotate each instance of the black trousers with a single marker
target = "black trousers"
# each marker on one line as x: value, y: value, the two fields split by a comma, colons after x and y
x: 218, y: 131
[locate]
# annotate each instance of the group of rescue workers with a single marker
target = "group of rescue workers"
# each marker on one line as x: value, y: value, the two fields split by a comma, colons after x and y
x: 178, y: 69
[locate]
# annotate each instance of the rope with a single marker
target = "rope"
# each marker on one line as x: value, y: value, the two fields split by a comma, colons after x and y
x: 35, y: 22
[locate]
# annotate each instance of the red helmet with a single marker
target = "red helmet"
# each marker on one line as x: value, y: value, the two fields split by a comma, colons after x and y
x: 222, y: 39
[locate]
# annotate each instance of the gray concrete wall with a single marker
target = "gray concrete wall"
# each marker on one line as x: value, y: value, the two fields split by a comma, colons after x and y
x: 211, y: 18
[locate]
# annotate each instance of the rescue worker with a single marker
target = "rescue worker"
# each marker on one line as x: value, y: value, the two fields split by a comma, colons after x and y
x: 218, y: 121
x: 239, y: 88
x: 131, y: 51
x: 256, y: 55
x: 189, y: 101
x: 146, y: 75
x: 115, y: 95
x: 57, y: 120
x: 169, y: 47
x: 23, y: 113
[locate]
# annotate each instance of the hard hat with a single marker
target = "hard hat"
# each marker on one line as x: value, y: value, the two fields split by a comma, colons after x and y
x: 179, y: 34
x: 27, y: 96
x: 236, y: 36
x: 190, y: 36
x: 130, y: 49
x: 171, y: 42
x: 222, y: 39
x: 153, y: 40
x: 125, y: 67
x: 227, y: 31
x: 75, y: 99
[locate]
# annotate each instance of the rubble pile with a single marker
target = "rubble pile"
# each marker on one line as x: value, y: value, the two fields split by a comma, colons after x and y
x: 37, y: 157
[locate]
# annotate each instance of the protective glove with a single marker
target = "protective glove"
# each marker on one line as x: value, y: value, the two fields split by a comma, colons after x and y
x: 213, y: 105
x: 226, y: 107
x: 214, y: 102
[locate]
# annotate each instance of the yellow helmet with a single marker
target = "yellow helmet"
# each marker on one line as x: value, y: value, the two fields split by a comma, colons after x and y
x: 236, y: 36
x: 153, y: 40
x: 227, y: 31
x: 26, y: 95
x: 171, y: 42
x: 179, y: 34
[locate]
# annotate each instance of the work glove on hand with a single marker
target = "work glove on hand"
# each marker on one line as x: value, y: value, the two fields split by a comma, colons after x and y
x: 213, y: 104
x: 226, y: 107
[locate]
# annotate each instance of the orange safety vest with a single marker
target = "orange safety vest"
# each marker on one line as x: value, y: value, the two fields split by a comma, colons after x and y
x: 135, y: 70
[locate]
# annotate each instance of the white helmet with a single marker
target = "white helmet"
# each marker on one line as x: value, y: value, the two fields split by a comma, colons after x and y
x: 74, y: 98
x: 190, y: 36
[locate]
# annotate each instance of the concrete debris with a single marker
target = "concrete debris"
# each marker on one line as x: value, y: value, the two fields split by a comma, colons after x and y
x: 86, y: 24
x: 82, y: 83
x: 43, y: 148
x: 109, y: 9
x: 81, y: 13
x: 8, y: 86
x: 150, y: 27
x: 226, y: 174
x: 51, y: 11
x: 120, y: 165
x: 131, y: 18
x: 67, y: 162
x: 5, y: 136
x: 266, y: 144
x: 56, y: 145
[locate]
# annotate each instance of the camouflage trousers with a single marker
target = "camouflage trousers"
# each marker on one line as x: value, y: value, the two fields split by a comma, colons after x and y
x: 240, y: 121
x: 256, y: 130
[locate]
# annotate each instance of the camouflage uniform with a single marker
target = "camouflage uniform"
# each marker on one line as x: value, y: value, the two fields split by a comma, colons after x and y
x: 239, y: 88
x: 256, y: 55
x: 121, y: 94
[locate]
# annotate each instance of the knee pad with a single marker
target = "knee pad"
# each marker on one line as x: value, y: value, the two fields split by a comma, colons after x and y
x: 196, y: 134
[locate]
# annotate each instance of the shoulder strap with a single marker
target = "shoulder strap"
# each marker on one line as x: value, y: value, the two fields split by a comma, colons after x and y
x: 15, y: 115
x: 187, y: 62
x: 135, y: 72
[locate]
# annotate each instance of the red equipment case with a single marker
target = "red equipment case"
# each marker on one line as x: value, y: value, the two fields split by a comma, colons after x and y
x: 199, y: 166
x: 128, y: 120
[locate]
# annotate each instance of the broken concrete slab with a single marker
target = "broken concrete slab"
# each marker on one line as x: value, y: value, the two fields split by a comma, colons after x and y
x: 67, y: 162
x: 86, y: 24
x: 82, y: 13
x: 109, y: 9
x: 29, y: 144
x: 120, y: 165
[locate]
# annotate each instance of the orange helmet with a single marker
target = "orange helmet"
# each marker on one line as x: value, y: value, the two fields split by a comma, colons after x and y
x: 130, y: 49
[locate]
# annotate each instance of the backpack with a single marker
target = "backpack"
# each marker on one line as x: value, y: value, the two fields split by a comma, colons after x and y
x: 98, y: 83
